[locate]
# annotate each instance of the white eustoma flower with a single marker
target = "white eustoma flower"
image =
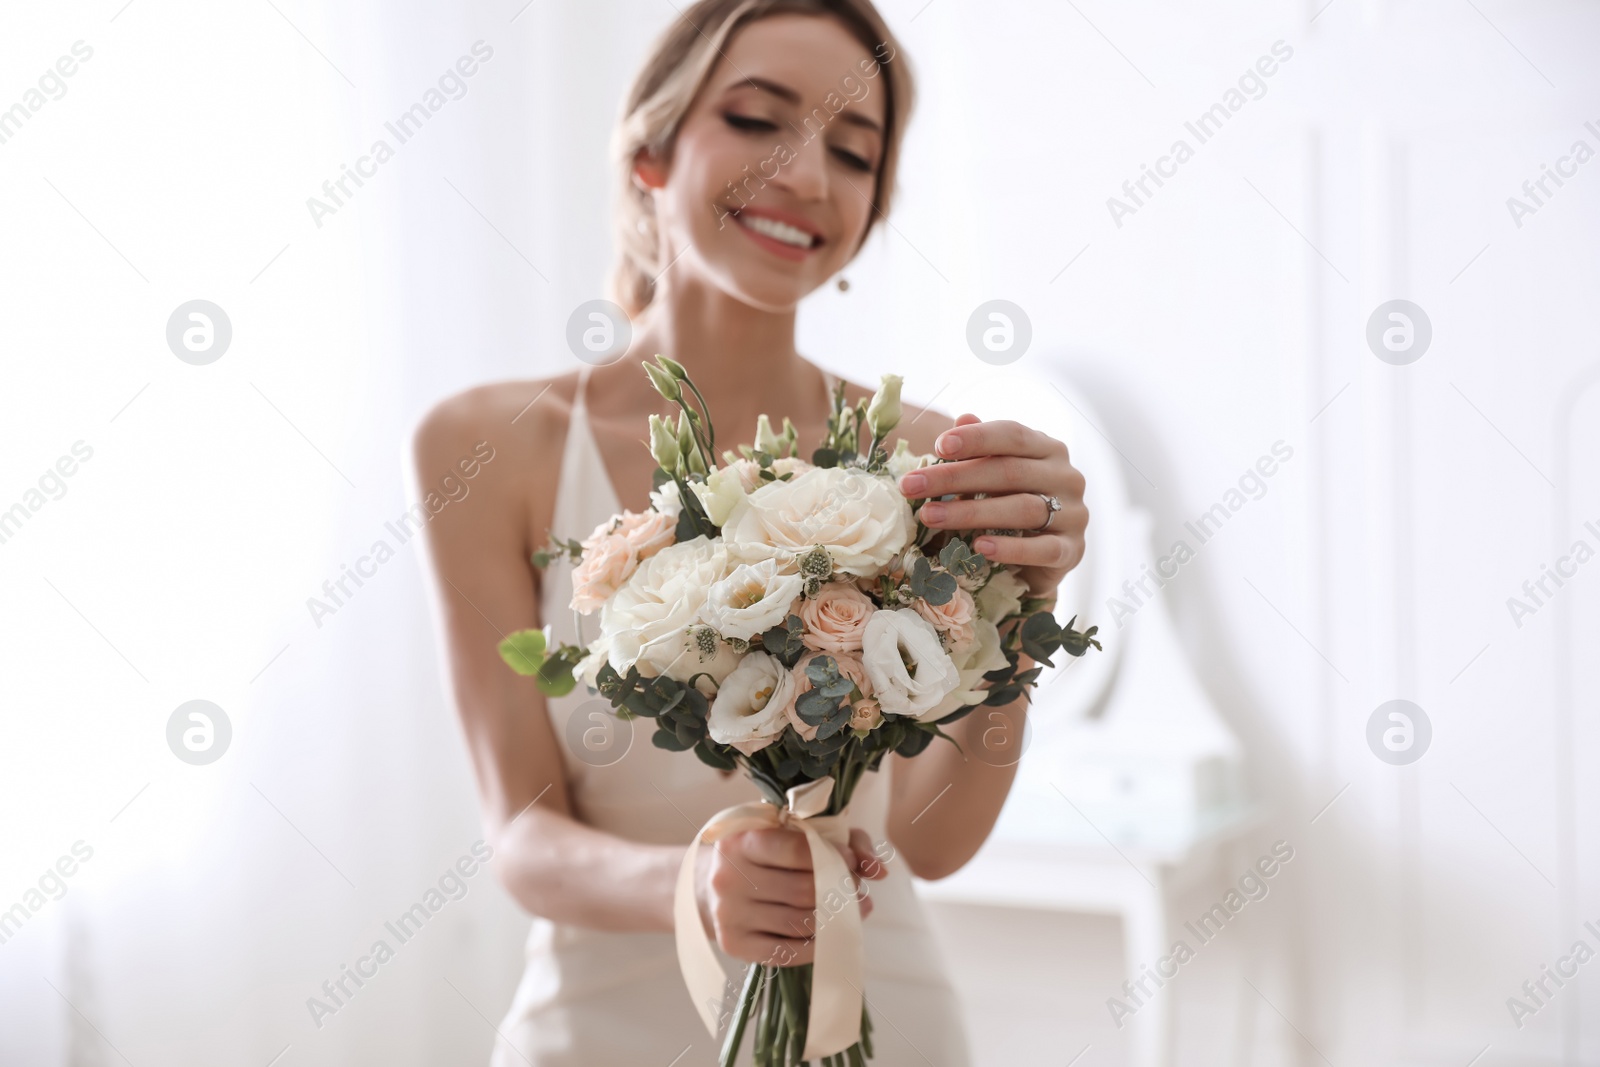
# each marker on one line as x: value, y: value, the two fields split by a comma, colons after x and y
x: 862, y: 519
x: 754, y: 598
x: 666, y: 499
x: 983, y: 656
x: 722, y: 489
x: 911, y: 672
x: 748, y: 712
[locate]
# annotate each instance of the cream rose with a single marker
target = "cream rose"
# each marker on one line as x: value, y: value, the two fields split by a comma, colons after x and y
x: 835, y: 618
x: 910, y: 671
x: 748, y: 712
x: 752, y: 599
x: 984, y: 656
x: 953, y: 618
x: 861, y: 519
x: 652, y: 620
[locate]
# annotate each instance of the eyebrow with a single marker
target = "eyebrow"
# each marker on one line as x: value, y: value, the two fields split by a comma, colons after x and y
x: 783, y: 92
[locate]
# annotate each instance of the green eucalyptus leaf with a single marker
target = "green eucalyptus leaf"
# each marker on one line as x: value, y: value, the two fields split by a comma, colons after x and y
x: 523, y: 651
x: 669, y: 740
x: 915, y: 741
x: 555, y: 677
x: 708, y: 753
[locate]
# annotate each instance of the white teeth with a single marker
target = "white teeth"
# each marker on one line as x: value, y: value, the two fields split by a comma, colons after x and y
x: 778, y: 231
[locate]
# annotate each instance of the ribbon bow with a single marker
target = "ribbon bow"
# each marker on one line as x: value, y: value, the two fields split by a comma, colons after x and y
x: 834, y: 1021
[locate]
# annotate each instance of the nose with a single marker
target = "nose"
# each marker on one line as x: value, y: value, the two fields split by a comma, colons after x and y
x: 806, y: 174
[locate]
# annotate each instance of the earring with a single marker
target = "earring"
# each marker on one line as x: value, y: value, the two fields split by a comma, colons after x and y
x: 844, y: 285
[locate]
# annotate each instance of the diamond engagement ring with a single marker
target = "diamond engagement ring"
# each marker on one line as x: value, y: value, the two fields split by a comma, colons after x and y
x: 1053, y: 505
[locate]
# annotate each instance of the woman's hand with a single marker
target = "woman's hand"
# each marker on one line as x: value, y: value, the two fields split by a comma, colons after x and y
x: 1010, y: 464
x: 757, y: 893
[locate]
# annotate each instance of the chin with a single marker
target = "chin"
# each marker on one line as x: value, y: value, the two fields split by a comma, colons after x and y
x: 764, y: 293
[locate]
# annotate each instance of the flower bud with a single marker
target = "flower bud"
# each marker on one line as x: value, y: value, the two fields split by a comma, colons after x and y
x: 884, y: 413
x: 663, y: 444
x: 665, y: 383
x: 672, y: 367
x: 685, y: 434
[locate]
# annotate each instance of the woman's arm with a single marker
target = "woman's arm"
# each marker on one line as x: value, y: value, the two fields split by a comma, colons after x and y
x: 944, y: 803
x: 485, y: 587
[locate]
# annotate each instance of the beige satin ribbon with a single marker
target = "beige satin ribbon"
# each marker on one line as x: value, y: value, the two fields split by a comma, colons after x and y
x: 835, y: 1016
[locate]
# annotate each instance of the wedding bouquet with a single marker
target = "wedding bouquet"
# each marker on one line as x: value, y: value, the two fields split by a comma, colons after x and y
x: 792, y: 618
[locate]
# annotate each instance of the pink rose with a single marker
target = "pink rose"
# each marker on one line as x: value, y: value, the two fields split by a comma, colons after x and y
x: 851, y: 667
x: 867, y: 715
x: 835, y: 618
x: 608, y: 560
x: 953, y: 619
x: 613, y: 552
x: 648, y: 532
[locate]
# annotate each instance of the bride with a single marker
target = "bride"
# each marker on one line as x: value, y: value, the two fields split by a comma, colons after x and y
x: 756, y: 150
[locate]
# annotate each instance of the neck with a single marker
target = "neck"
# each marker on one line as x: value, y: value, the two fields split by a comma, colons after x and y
x: 742, y: 359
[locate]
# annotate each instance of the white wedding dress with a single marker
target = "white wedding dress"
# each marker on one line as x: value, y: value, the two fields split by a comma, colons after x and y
x: 595, y: 998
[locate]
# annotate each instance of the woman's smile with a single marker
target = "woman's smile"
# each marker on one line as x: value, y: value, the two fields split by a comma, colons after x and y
x: 779, y: 232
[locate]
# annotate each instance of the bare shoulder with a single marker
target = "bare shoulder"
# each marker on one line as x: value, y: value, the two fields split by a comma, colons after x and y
x: 918, y: 425
x: 508, y: 434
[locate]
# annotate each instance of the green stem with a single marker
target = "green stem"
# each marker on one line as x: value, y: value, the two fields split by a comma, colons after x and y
x: 794, y: 1004
x: 730, y: 1047
x: 711, y: 430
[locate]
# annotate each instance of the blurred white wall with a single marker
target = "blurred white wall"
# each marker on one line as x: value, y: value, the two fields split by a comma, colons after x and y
x: 1229, y: 311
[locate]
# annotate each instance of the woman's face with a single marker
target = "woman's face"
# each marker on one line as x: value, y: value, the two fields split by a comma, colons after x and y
x: 770, y: 185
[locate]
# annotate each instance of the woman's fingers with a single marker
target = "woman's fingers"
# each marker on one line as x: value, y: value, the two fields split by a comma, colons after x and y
x: 868, y: 865
x: 772, y: 847
x: 993, y: 438
x: 1012, y: 511
x: 986, y: 474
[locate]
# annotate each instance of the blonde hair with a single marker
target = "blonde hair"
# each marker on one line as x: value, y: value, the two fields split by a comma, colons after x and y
x: 666, y: 87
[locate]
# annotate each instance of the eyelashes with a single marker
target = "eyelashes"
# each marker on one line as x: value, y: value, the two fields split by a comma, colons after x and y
x: 853, y: 161
x: 746, y: 124
x: 752, y: 125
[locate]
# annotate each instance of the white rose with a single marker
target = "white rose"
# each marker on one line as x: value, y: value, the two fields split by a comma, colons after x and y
x: 861, y: 519
x: 751, y: 600
x: 748, y: 710
x: 984, y: 656
x: 718, y: 494
x: 649, y: 622
x: 911, y: 672
x: 666, y: 499
x: 1001, y: 596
